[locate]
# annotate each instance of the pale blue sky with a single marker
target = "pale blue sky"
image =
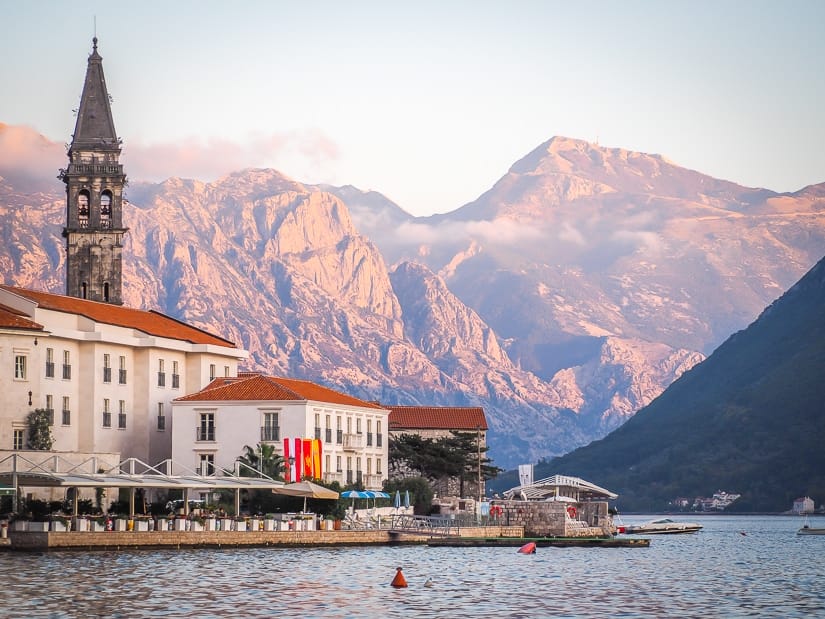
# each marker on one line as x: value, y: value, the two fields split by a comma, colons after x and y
x: 429, y: 102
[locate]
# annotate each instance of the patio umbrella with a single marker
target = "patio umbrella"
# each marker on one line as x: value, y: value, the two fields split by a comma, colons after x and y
x: 354, y: 494
x: 406, y: 499
x: 397, y: 501
x: 306, y: 489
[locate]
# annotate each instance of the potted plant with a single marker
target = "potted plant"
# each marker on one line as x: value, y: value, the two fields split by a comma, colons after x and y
x: 180, y: 524
x: 240, y: 523
x: 58, y: 523
x: 196, y: 522
x: 269, y: 522
x: 141, y: 523
x: 98, y: 523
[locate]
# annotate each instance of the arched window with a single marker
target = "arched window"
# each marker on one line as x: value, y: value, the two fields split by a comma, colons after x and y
x: 83, y: 208
x: 105, y: 292
x: 83, y: 290
x: 106, y: 209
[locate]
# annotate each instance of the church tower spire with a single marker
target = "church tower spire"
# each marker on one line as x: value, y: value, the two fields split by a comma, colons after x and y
x: 94, y: 195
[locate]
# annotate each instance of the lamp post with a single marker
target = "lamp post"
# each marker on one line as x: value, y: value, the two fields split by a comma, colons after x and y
x: 291, y: 461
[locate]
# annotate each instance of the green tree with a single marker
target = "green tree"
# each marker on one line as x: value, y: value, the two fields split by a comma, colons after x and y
x: 263, y: 458
x: 40, y: 433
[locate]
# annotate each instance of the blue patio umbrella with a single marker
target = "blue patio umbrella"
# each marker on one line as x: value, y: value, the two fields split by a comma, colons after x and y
x: 397, y: 501
x: 407, y: 499
x: 355, y: 494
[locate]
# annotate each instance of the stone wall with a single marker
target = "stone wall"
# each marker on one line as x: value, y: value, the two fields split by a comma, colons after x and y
x: 548, y: 518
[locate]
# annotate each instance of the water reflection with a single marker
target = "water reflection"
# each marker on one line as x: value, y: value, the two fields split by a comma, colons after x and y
x: 770, y: 572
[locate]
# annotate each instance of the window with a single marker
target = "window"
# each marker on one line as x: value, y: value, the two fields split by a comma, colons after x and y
x: 106, y: 209
x: 270, y: 431
x: 175, y: 376
x: 369, y: 432
x: 378, y: 437
x: 121, y: 415
x: 358, y: 426
x: 161, y: 418
x: 107, y: 414
x: 67, y: 413
x: 106, y: 291
x: 107, y: 368
x: 50, y: 408
x: 83, y: 209
x: 67, y: 365
x: 211, y: 371
x: 369, y: 466
x: 317, y: 425
x: 327, y: 462
x: 206, y: 430
x: 339, y: 433
x: 161, y: 374
x: 378, y: 466
x: 226, y: 371
x: 349, y: 470
x: 18, y: 439
x: 50, y: 363
x: 84, y: 290
x: 121, y: 373
x: 328, y: 430
x: 19, y: 367
x: 338, y: 464
x: 207, y: 464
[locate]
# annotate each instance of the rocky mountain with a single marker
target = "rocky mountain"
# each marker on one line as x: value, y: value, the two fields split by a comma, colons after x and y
x: 749, y: 419
x: 563, y: 300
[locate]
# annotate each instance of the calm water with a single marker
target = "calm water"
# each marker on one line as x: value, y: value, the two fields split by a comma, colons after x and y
x: 718, y: 572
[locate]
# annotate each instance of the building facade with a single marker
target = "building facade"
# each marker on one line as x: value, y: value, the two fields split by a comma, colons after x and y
x: 107, y: 374
x: 212, y: 427
x: 94, y: 196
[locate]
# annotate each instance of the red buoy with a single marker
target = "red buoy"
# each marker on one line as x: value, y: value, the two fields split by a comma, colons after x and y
x: 528, y: 549
x: 399, y: 581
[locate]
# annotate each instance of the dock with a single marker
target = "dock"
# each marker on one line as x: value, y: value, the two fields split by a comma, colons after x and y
x: 541, y: 542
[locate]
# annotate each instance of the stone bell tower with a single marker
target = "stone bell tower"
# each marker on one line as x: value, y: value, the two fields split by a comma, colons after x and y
x: 94, y: 196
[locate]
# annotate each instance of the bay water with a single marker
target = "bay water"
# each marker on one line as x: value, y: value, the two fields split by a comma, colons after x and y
x: 736, y: 566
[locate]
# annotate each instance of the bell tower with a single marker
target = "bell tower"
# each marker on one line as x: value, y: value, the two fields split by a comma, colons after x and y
x: 94, y: 195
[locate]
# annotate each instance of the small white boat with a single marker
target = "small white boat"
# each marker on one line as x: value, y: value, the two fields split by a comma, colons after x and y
x: 661, y: 526
x: 807, y: 529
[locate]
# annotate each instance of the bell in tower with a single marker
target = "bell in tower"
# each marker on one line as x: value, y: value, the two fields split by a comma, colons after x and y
x: 94, y: 196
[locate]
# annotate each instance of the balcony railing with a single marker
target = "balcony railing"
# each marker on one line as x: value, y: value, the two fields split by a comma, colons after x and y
x: 339, y: 436
x: 270, y: 433
x: 67, y: 417
x: 161, y: 422
x: 204, y: 434
x: 328, y: 435
x: 353, y: 442
x: 107, y: 375
x: 161, y: 379
x: 50, y: 412
x: 379, y: 439
x: 121, y: 377
x: 333, y: 477
x: 350, y: 477
x: 107, y: 420
x: 175, y: 381
x: 369, y: 439
x: 49, y: 369
x: 317, y: 432
x: 67, y: 372
x: 121, y: 420
x: 373, y: 482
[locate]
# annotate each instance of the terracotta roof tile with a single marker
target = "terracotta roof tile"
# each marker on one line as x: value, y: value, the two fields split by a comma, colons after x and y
x: 149, y: 322
x: 12, y: 319
x: 437, y: 418
x: 249, y: 386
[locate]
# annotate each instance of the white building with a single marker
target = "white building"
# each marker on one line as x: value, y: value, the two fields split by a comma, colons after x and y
x: 107, y: 373
x: 212, y: 427
x: 803, y: 505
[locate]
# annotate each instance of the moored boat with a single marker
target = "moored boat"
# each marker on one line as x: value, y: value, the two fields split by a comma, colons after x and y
x: 807, y: 529
x: 662, y: 526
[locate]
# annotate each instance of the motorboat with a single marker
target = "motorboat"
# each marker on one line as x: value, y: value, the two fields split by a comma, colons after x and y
x: 807, y: 529
x: 661, y: 526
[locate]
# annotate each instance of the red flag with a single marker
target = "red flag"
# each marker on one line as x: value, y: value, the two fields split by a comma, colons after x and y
x: 307, y: 458
x: 287, y: 471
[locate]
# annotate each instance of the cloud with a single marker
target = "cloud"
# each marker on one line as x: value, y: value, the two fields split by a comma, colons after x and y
x: 29, y: 157
x: 298, y: 154
x: 502, y: 231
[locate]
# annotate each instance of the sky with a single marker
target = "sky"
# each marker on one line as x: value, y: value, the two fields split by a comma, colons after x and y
x: 429, y: 103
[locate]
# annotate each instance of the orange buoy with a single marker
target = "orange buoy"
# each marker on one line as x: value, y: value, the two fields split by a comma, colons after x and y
x: 398, y: 580
x: 528, y: 549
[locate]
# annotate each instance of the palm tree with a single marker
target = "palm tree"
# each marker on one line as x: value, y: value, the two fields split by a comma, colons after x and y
x: 263, y: 458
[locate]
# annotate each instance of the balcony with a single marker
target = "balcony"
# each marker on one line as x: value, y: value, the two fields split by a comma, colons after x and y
x: 353, y: 442
x: 270, y: 433
x: 332, y: 477
x: 373, y: 482
x: 206, y: 434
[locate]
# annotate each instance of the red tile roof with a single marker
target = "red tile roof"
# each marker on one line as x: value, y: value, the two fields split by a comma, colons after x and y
x: 437, y: 418
x: 257, y: 387
x: 12, y: 319
x: 149, y: 322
